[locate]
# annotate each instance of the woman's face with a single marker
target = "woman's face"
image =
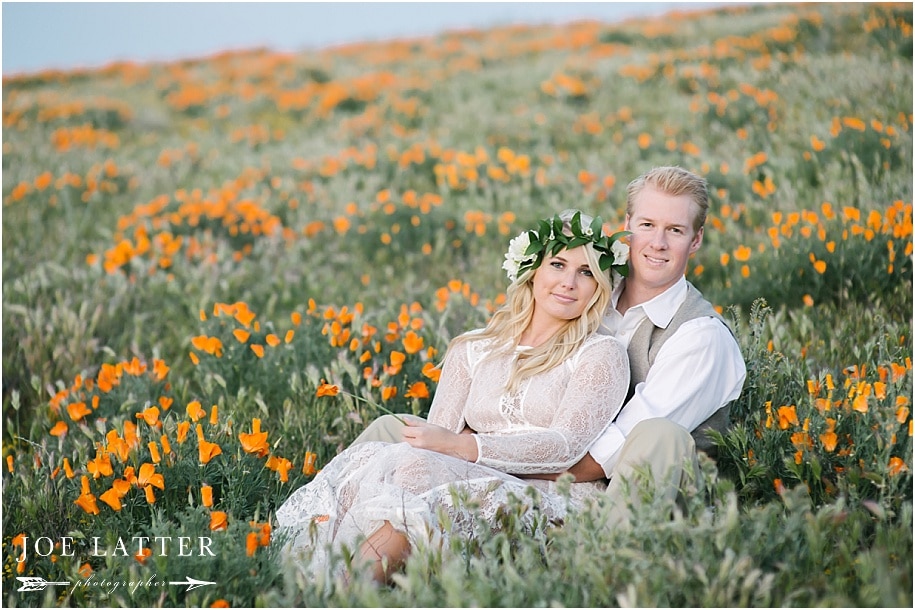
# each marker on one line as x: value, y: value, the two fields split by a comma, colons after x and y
x: 563, y: 285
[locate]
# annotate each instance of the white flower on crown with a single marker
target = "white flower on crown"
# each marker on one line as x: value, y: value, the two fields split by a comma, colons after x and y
x: 515, y: 257
x: 620, y: 252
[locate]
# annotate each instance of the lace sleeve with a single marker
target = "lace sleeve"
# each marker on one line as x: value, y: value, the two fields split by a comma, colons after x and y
x: 590, y: 400
x: 450, y: 397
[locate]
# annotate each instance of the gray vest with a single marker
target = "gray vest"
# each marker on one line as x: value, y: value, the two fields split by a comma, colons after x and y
x: 646, y: 343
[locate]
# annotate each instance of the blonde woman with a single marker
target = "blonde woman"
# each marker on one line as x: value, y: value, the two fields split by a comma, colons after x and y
x: 527, y: 394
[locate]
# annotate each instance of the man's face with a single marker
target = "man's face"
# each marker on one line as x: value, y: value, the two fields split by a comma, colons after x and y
x: 661, y: 242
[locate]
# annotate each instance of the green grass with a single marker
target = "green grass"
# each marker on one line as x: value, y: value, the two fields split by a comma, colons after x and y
x: 140, y: 202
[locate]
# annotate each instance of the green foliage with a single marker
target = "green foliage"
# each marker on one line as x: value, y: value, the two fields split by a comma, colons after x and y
x: 286, y: 241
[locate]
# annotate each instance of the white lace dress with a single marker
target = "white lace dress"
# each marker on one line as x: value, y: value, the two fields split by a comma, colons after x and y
x: 545, y: 427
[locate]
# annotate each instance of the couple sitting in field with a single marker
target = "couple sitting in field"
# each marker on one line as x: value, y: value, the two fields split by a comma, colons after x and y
x: 573, y: 375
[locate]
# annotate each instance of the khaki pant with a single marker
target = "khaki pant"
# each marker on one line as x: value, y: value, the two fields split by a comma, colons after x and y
x: 658, y: 456
x: 385, y: 428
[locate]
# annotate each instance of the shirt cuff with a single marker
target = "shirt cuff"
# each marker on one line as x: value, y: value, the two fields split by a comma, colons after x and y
x: 479, y: 459
x: 605, y: 450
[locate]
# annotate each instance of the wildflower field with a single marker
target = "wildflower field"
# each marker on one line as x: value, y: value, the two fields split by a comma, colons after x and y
x: 214, y: 269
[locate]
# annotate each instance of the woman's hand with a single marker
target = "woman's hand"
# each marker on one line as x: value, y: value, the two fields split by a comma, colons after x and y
x: 423, y: 435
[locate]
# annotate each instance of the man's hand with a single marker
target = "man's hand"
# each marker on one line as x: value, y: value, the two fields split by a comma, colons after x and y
x: 423, y: 435
x: 585, y: 470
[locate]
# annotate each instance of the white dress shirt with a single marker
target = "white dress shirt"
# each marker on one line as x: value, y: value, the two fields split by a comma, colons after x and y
x: 697, y: 371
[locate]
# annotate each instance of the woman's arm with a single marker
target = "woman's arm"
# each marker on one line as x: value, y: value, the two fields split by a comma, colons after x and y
x: 450, y: 398
x: 446, y: 431
x: 591, y: 399
x: 424, y: 435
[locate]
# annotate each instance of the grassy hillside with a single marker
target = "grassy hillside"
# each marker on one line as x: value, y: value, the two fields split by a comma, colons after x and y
x: 191, y: 249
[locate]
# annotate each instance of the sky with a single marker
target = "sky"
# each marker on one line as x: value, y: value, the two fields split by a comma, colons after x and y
x: 68, y: 35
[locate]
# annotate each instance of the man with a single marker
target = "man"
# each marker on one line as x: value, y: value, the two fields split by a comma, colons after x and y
x: 686, y: 364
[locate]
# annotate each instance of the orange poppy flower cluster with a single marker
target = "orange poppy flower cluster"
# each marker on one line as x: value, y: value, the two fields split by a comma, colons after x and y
x: 83, y: 397
x: 832, y: 227
x: 166, y: 226
x: 459, y: 170
x: 115, y: 476
x: 84, y: 136
x: 104, y: 178
x: 860, y: 398
x: 383, y: 360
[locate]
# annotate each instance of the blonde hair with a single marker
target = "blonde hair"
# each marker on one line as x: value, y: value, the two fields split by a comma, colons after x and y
x: 674, y: 181
x: 512, y: 319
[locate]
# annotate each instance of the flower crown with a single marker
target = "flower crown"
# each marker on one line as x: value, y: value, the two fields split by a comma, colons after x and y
x: 527, y: 250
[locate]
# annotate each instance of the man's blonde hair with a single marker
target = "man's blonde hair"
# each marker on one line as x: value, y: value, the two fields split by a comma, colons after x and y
x: 674, y: 181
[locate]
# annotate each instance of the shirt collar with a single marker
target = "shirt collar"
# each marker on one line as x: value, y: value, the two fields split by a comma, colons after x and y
x: 661, y: 309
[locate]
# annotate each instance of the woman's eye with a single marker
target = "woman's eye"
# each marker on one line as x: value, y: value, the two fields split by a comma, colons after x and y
x: 587, y: 273
x: 556, y: 264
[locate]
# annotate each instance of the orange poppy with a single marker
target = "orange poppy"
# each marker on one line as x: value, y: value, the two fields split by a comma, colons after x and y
x: 149, y: 476
x: 326, y: 389
x: 251, y: 544
x: 787, y: 416
x: 418, y: 390
x: 142, y: 555
x: 412, y: 343
x: 219, y: 520
x: 68, y: 470
x: 432, y: 372
x: 279, y: 465
x: 150, y: 416
x: 256, y: 441
x: 206, y: 495
x: 87, y: 503
x: 183, y: 429
x: 112, y: 499
x: 100, y: 466
x: 208, y: 451
x: 154, y: 452
x: 78, y: 410
x: 195, y: 411
x: 896, y: 466
x: 309, y: 467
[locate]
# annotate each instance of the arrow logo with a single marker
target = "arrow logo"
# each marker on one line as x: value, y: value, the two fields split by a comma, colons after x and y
x: 193, y: 583
x: 35, y: 583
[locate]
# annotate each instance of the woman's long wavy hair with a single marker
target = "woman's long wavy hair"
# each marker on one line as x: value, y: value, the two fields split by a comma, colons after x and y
x: 512, y: 319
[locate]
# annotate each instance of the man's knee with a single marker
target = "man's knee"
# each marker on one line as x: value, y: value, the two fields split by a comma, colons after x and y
x: 386, y: 429
x: 660, y: 448
x: 659, y: 455
x: 651, y: 434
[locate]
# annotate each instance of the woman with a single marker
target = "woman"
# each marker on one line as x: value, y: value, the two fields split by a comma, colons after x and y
x: 527, y: 394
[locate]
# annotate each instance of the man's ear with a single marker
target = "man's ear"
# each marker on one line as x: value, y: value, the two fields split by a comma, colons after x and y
x: 626, y: 223
x: 697, y: 241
